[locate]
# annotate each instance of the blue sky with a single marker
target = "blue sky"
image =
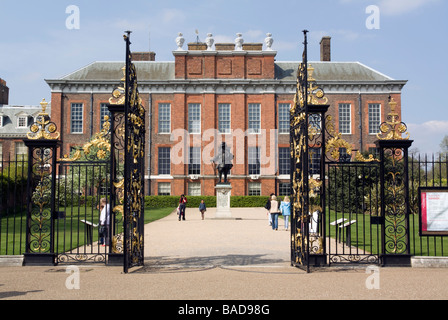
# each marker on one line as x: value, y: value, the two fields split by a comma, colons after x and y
x: 410, y: 44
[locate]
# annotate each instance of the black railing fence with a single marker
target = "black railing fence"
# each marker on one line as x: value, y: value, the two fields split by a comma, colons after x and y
x: 13, y: 183
x: 426, y: 171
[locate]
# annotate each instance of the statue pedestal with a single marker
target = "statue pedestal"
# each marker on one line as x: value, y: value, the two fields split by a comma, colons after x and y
x: 223, y: 192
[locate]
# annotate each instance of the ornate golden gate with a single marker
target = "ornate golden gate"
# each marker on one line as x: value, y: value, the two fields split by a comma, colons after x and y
x: 369, y: 193
x: 129, y: 137
x: 307, y: 121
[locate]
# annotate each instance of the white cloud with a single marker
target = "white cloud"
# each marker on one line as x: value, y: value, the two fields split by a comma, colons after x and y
x: 428, y: 135
x: 398, y: 7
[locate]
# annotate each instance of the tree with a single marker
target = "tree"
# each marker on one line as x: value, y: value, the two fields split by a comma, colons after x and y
x: 444, y: 146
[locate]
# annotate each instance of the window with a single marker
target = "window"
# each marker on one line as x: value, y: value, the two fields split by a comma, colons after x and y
x: 315, y: 122
x: 1, y: 152
x: 76, y: 117
x: 194, y: 188
x: 104, y: 191
x: 284, y: 189
x: 22, y: 122
x: 224, y: 118
x: 283, y: 117
x: 254, y: 189
x: 164, y: 118
x: 374, y: 118
x: 254, y: 160
x: 164, y: 161
x: 284, y: 161
x: 104, y: 111
x: 254, y: 118
x: 164, y: 189
x: 21, y: 150
x: 375, y: 152
x: 194, y: 166
x: 345, y: 121
x: 194, y: 118
x: 314, y: 160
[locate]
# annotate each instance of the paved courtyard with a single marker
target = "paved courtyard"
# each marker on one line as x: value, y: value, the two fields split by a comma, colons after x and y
x: 211, y: 259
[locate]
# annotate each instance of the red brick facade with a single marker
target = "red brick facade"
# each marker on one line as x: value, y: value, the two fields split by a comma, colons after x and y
x: 223, y: 76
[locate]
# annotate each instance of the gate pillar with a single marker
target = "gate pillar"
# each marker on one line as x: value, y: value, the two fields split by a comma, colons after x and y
x: 394, y: 190
x: 42, y: 146
x: 395, y: 202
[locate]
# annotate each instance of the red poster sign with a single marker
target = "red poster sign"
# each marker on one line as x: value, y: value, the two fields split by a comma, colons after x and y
x: 434, y: 211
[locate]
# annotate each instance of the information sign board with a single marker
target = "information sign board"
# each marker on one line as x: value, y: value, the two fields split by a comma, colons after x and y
x: 433, y: 211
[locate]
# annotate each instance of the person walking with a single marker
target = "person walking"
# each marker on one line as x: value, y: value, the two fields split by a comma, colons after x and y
x: 285, y: 209
x: 274, y: 211
x: 267, y: 206
x: 182, y: 206
x: 202, y: 208
x: 104, y: 222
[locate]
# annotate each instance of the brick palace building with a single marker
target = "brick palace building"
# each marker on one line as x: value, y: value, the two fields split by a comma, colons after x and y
x: 228, y: 92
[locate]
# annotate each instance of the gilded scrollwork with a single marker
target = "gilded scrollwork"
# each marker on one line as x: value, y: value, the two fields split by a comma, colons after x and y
x: 43, y: 128
x: 100, y: 142
x: 133, y: 178
x: 393, y: 128
x: 316, y: 95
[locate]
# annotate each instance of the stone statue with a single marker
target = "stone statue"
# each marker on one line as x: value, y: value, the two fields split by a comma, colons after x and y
x: 223, y: 160
x: 239, y: 42
x: 268, y: 41
x: 209, y: 41
x: 180, y: 41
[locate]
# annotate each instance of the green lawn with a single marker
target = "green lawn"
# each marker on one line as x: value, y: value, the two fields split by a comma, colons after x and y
x: 366, y: 236
x: 13, y: 229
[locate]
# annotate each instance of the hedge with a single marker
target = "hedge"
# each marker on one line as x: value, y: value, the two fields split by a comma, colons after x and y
x: 153, y: 202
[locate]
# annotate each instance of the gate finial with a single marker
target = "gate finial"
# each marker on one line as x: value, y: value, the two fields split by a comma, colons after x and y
x: 43, y: 128
x: 393, y: 128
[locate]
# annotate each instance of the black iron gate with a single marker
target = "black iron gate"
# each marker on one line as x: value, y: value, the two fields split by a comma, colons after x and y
x: 353, y: 220
x: 299, y: 169
x: 134, y: 169
x: 306, y: 140
x: 64, y: 196
x: 345, y: 210
x: 80, y: 186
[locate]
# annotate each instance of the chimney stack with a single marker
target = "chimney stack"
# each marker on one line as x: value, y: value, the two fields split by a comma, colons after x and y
x: 4, y: 92
x: 144, y: 56
x: 325, y: 49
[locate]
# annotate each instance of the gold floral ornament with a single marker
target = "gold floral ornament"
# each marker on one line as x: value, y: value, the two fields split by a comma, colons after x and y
x: 43, y: 128
x: 359, y: 157
x: 118, y: 95
x: 333, y: 144
x: 101, y: 141
x: 393, y: 129
x: 315, y: 94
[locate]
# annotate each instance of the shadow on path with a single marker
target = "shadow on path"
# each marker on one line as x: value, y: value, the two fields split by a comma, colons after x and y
x: 208, y: 262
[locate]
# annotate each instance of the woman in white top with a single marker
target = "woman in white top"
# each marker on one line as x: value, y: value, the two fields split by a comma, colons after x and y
x: 274, y: 211
x: 104, y: 222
